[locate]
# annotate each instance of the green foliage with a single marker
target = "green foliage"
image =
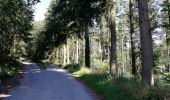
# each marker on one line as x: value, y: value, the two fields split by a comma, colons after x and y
x: 81, y: 60
x: 157, y: 55
x: 6, y: 74
x: 100, y: 66
x: 15, y: 22
x: 65, y: 19
x: 11, y: 70
x: 165, y: 13
x: 35, y: 38
x: 165, y: 78
x: 72, y: 67
x: 159, y: 93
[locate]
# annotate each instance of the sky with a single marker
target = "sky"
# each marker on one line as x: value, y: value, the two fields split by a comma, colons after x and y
x: 40, y: 10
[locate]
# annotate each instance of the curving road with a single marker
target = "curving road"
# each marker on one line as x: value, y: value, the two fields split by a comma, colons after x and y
x: 51, y: 84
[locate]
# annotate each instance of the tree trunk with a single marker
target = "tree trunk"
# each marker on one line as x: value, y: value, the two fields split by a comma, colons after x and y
x: 167, y: 53
x: 146, y: 43
x: 68, y: 52
x: 103, y: 52
x: 77, y: 51
x: 87, y: 47
x: 132, y: 36
x: 64, y: 54
x: 122, y: 54
x: 113, y: 56
x: 168, y: 11
x: 57, y: 55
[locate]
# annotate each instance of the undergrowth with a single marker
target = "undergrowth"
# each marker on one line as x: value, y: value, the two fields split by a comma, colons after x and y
x: 119, y: 88
x: 11, y: 70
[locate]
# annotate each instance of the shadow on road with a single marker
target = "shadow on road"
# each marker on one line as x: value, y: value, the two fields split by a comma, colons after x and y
x: 50, y: 84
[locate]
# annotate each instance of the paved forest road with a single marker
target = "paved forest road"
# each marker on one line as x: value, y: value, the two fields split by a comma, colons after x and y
x: 52, y: 84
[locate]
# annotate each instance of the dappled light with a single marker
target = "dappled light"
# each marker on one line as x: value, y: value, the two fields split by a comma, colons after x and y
x: 85, y: 49
x: 51, y: 83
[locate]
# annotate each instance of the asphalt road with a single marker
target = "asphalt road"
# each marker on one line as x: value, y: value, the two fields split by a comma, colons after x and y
x: 50, y: 84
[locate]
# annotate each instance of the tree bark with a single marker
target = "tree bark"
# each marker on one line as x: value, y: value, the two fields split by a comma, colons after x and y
x: 103, y: 55
x: 168, y: 11
x: 87, y: 47
x: 56, y: 54
x: 132, y: 36
x: 113, y: 56
x: 64, y: 54
x: 68, y: 52
x: 77, y: 51
x: 146, y: 43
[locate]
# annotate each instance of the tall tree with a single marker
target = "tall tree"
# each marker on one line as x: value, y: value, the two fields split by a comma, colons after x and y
x: 132, y: 36
x: 87, y: 46
x: 73, y: 17
x: 15, y: 21
x: 113, y: 54
x: 91, y: 9
x: 146, y: 43
x: 77, y: 51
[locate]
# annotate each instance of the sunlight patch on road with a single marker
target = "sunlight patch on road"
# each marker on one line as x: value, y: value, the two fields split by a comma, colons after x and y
x: 56, y: 70
x: 27, y: 63
x: 4, y: 95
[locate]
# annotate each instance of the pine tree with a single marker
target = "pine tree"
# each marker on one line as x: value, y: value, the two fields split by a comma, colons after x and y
x: 146, y: 43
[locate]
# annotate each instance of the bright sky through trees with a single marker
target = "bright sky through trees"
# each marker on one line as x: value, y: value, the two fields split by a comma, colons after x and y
x: 40, y: 10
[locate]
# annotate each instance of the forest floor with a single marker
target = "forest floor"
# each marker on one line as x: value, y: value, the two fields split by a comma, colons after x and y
x: 50, y: 84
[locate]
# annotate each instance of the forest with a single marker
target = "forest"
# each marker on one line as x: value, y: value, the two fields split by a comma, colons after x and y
x: 120, y: 48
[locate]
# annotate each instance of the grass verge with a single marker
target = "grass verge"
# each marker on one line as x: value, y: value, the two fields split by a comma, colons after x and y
x: 119, y: 88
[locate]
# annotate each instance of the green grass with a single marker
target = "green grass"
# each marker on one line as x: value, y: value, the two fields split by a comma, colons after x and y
x: 119, y: 88
x: 103, y: 85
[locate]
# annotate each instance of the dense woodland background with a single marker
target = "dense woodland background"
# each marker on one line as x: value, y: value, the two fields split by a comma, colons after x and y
x: 124, y: 44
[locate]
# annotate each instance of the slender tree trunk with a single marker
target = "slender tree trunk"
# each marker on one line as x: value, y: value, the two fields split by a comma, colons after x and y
x: 167, y: 53
x: 74, y: 56
x: 77, y: 51
x: 64, y: 54
x: 102, y: 46
x: 68, y: 52
x: 168, y: 11
x: 146, y: 43
x: 87, y: 47
x: 122, y: 62
x: 102, y: 52
x: 109, y: 41
x: 57, y: 58
x: 132, y: 36
x: 113, y: 56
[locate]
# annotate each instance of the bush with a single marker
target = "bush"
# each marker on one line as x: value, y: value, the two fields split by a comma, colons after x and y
x: 159, y: 93
x: 9, y: 67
